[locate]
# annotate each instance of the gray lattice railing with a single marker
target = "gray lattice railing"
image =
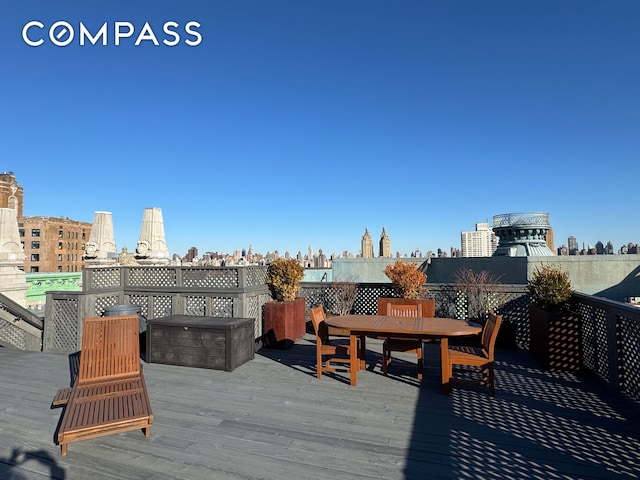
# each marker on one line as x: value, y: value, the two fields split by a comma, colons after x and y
x: 610, y: 342
x: 160, y: 291
x: 19, y: 327
x: 610, y: 332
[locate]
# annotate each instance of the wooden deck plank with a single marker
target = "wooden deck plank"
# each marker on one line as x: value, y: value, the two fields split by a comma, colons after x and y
x: 272, y: 419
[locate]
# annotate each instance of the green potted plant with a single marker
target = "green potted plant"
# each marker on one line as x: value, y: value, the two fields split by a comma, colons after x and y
x: 284, y: 316
x: 554, y: 328
x: 408, y: 283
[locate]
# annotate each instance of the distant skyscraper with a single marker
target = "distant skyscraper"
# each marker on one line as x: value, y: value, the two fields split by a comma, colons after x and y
x: 192, y: 254
x: 367, y: 245
x: 573, y: 245
x: 609, y: 248
x: 479, y: 243
x: 385, y: 244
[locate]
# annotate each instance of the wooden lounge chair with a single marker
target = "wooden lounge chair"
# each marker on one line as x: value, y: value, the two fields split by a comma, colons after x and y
x: 327, y: 351
x: 109, y: 394
x: 479, y: 358
x: 409, y: 345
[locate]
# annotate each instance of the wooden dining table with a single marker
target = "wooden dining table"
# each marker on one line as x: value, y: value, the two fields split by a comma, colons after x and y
x: 409, y: 327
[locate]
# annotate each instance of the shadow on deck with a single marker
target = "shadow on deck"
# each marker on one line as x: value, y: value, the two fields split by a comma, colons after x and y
x: 271, y: 418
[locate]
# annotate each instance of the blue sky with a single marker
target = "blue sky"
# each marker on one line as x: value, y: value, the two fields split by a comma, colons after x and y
x: 298, y: 123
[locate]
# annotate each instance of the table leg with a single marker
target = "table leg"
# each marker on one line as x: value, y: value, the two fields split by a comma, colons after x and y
x: 363, y: 353
x: 353, y: 355
x: 445, y: 365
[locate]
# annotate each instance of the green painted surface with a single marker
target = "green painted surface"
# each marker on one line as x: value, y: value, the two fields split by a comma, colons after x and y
x: 41, y: 283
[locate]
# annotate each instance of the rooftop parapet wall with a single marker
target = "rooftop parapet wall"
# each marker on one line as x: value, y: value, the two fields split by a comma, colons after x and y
x: 367, y: 270
x: 611, y: 276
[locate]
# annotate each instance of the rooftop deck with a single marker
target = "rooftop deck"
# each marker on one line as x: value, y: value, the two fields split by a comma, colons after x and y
x: 271, y: 418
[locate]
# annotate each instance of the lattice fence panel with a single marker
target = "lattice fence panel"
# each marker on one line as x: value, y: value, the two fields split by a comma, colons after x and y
x: 367, y: 300
x: 12, y: 335
x: 196, y: 306
x: 64, y: 336
x: 594, y: 339
x: 450, y: 303
x: 630, y: 357
x: 255, y: 304
x: 210, y: 278
x: 103, y: 302
x: 256, y: 276
x: 162, y: 306
x: 514, y: 307
x: 104, y: 278
x: 143, y: 301
x: 318, y: 296
x: 157, y: 276
x: 221, y: 307
x: 589, y: 335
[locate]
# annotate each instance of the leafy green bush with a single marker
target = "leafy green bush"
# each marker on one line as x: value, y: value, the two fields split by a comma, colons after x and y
x: 550, y: 287
x: 283, y: 277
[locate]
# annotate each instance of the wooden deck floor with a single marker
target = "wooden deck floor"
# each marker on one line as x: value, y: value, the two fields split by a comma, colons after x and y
x: 272, y: 419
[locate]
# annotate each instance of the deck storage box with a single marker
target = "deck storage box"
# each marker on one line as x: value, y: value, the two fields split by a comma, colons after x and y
x: 220, y: 343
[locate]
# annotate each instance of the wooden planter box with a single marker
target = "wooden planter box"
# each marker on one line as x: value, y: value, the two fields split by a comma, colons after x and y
x: 284, y: 323
x: 555, y: 338
x: 428, y: 304
x: 220, y: 343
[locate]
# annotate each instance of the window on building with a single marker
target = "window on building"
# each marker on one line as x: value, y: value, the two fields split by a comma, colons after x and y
x: 21, y: 232
x: 84, y: 235
x: 35, y: 269
x: 35, y: 244
x: 35, y: 257
x: 59, y: 257
x: 35, y: 232
x: 59, y: 268
x: 59, y: 245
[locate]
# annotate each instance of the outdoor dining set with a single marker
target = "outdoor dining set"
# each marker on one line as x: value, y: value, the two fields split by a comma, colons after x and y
x: 405, y: 328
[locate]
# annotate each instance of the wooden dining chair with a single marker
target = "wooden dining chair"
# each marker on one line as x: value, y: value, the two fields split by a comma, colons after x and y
x: 477, y: 360
x: 328, y: 350
x: 408, y: 345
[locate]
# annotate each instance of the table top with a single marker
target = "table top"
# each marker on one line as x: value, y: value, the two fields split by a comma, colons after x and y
x: 384, y: 324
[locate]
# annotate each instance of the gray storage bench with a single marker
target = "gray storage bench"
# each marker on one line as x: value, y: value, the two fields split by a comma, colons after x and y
x: 220, y: 343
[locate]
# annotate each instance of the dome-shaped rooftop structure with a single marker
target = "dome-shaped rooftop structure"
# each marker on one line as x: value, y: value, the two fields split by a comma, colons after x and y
x: 522, y: 234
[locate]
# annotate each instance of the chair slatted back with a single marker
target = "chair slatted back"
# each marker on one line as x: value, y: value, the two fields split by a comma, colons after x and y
x: 490, y: 334
x: 399, y: 310
x: 110, y: 348
x: 318, y: 316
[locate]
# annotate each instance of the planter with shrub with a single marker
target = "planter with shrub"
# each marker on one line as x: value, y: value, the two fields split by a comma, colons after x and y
x: 554, y: 328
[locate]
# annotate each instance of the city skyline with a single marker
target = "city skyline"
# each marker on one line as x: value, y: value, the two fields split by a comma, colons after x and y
x: 293, y: 124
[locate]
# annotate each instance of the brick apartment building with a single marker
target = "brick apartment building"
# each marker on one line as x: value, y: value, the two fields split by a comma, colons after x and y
x: 50, y: 244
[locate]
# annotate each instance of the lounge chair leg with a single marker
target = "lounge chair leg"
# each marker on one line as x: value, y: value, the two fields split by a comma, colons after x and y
x: 63, y: 449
